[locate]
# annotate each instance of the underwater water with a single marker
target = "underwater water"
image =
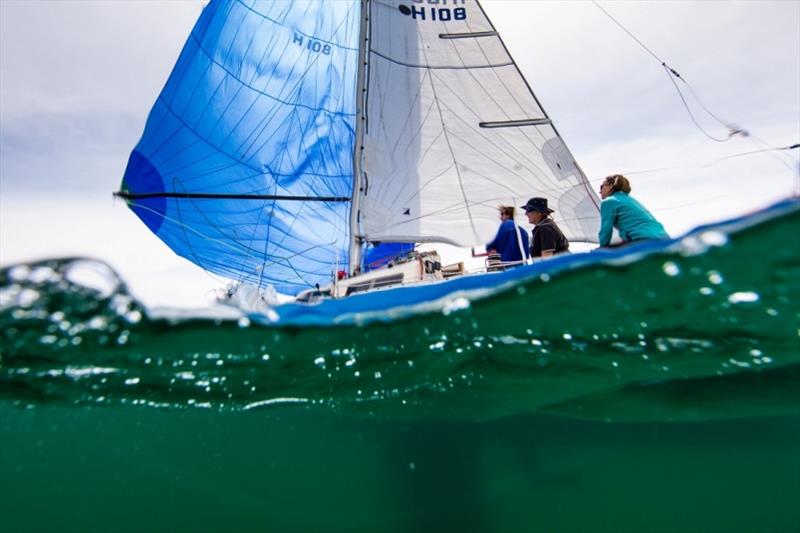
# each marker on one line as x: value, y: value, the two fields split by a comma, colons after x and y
x: 661, y: 394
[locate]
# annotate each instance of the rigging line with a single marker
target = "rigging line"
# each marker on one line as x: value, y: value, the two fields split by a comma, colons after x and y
x: 618, y: 23
x: 703, y: 201
x: 691, y: 115
x: 250, y: 245
x: 712, y: 163
x: 757, y: 141
x: 673, y: 74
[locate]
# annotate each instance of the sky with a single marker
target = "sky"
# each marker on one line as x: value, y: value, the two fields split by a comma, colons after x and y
x: 78, y: 78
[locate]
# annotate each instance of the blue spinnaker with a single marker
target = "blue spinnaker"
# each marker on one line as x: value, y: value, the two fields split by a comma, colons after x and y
x: 245, y: 166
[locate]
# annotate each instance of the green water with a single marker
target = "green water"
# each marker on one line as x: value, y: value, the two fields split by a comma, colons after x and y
x: 122, y: 469
x: 658, y: 395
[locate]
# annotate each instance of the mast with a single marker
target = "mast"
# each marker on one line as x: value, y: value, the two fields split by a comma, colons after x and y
x: 356, y: 240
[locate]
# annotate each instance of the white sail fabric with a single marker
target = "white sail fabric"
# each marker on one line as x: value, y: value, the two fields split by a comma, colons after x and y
x: 453, y: 131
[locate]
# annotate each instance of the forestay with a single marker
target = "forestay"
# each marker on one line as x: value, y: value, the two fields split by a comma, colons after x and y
x: 453, y: 130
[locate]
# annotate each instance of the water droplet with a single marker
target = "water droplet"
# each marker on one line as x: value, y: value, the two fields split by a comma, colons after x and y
x: 743, y: 297
x: 671, y: 269
x: 714, y: 238
x: 319, y: 361
x: 714, y: 277
x: 458, y: 304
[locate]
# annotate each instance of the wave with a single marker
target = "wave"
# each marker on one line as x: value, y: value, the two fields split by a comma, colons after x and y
x: 683, y: 333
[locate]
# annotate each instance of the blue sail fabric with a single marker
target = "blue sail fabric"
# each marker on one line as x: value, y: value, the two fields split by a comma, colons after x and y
x: 379, y: 254
x: 252, y: 141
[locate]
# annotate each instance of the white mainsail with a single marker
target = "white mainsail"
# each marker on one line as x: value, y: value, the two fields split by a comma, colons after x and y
x: 453, y: 130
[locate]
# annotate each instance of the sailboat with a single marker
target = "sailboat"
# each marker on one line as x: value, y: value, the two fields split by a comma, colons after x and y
x: 293, y: 139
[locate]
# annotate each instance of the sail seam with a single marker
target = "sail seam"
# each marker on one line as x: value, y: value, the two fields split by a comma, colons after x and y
x: 294, y: 30
x: 220, y: 65
x: 443, y: 67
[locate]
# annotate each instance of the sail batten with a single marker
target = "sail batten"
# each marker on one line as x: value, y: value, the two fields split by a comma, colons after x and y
x: 516, y: 123
x: 468, y: 35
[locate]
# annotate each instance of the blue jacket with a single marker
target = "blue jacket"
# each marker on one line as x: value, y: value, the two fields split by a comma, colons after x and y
x: 506, y: 244
x: 632, y: 220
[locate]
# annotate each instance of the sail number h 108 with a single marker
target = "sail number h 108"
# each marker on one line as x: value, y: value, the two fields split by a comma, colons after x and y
x: 433, y: 11
x: 312, y: 44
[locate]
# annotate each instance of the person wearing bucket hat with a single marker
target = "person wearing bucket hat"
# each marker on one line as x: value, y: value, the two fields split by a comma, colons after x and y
x: 547, y: 238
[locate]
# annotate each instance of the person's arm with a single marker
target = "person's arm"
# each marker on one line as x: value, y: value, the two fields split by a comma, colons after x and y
x: 495, y: 244
x: 607, y: 212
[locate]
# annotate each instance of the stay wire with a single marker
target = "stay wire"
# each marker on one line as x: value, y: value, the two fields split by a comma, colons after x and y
x: 673, y: 75
x: 716, y: 161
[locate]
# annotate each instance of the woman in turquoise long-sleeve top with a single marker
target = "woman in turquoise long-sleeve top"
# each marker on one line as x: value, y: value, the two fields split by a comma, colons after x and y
x: 619, y: 210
